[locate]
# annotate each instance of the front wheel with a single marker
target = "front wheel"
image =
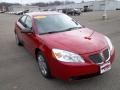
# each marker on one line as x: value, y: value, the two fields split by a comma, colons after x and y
x: 18, y: 42
x: 43, y: 66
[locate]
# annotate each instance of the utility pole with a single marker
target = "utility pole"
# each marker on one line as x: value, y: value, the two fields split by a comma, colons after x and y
x: 64, y: 4
x: 21, y: 5
x: 95, y: 2
x: 105, y: 11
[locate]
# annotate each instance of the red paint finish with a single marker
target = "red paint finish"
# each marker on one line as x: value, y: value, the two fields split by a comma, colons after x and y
x: 82, y: 41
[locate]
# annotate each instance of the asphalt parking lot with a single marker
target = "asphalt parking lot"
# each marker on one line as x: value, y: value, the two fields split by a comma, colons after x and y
x: 19, y: 71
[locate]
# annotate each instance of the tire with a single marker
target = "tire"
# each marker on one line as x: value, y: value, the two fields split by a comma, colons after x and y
x: 18, y: 42
x: 79, y: 14
x: 43, y: 66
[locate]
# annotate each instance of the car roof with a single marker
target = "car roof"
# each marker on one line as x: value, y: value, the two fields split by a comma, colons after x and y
x: 32, y: 14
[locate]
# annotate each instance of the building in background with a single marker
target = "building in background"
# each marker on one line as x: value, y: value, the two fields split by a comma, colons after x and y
x: 92, y: 5
x: 109, y: 5
x: 15, y: 8
x: 3, y: 8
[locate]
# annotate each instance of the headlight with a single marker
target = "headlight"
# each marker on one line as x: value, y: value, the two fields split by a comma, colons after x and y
x: 66, y: 56
x: 109, y: 43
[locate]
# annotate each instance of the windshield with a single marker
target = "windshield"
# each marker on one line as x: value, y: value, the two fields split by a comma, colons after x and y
x: 55, y: 23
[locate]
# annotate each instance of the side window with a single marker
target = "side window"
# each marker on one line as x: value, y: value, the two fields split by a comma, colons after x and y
x: 22, y: 19
x: 28, y: 22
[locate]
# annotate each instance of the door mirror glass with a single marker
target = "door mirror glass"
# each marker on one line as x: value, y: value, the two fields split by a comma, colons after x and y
x: 27, y: 30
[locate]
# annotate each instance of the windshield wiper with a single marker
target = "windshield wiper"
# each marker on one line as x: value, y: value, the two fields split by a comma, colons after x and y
x: 72, y: 28
x: 51, y: 32
x: 61, y: 30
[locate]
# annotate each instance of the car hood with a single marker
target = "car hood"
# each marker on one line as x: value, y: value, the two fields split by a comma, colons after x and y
x: 79, y: 41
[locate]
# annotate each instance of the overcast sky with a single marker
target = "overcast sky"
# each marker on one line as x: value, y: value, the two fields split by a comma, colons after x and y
x: 33, y: 1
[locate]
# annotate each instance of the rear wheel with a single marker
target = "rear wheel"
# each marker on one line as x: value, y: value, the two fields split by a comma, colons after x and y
x: 18, y: 42
x: 43, y: 66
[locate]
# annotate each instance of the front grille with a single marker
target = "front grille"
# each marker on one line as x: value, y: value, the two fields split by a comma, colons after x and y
x: 106, y: 54
x: 96, y: 58
x: 100, y: 57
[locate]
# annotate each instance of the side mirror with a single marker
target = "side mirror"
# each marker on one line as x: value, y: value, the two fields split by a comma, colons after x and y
x: 27, y: 30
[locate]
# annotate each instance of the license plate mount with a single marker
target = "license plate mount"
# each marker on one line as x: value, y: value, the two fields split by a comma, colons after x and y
x: 105, y: 67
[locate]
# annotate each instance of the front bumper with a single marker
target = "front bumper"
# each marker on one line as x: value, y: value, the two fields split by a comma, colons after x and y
x: 72, y: 70
x: 66, y: 71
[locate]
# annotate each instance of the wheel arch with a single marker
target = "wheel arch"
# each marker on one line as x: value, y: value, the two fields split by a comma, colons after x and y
x: 36, y: 51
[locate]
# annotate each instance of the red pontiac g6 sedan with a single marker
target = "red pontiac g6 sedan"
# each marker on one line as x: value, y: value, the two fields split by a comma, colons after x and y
x: 62, y: 47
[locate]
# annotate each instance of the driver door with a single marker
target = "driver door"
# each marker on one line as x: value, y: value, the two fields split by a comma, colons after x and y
x: 29, y: 38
